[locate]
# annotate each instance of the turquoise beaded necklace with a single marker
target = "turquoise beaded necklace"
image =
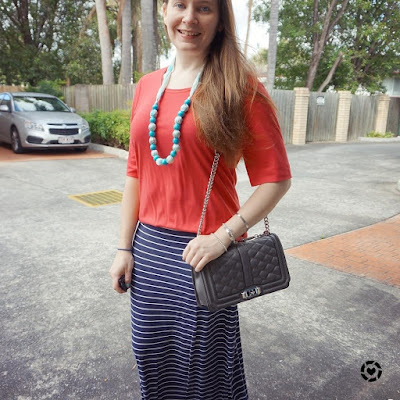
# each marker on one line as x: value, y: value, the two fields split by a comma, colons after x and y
x: 176, y: 134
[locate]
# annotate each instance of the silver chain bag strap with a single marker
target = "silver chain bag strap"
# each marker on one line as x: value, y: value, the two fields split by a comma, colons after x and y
x: 250, y: 268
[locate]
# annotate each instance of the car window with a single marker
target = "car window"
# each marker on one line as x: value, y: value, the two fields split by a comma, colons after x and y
x: 1, y: 98
x: 38, y: 103
x: 6, y: 100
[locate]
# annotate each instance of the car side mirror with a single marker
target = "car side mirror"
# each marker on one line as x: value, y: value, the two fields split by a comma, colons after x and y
x: 4, y: 107
x: 72, y: 109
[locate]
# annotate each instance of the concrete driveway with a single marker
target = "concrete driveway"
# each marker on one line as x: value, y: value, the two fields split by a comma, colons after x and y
x: 65, y: 334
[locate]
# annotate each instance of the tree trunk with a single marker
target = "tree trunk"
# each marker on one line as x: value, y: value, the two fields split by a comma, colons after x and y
x: 272, y: 46
x: 246, y: 43
x: 126, y: 60
x: 319, y: 42
x: 105, y: 43
x: 149, y: 29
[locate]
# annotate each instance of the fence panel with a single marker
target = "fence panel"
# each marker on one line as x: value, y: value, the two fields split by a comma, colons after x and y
x: 69, y: 96
x: 111, y: 97
x: 321, y: 118
x: 284, y: 101
x: 393, y: 123
x: 99, y: 97
x: 11, y: 88
x: 362, y: 115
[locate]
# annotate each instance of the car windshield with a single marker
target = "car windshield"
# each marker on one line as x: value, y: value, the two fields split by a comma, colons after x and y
x: 37, y: 103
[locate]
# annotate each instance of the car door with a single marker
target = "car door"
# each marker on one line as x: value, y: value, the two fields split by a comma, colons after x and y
x: 5, y: 118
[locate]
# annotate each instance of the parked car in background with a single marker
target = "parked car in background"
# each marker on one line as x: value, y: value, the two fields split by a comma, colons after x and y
x: 38, y: 120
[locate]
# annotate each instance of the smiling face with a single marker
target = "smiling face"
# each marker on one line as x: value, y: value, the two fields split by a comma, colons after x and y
x: 191, y: 24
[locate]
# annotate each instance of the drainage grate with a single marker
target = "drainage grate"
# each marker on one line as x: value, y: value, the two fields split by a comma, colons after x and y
x: 98, y: 199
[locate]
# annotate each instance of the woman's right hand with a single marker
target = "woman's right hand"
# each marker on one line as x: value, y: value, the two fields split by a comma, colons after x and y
x: 122, y: 265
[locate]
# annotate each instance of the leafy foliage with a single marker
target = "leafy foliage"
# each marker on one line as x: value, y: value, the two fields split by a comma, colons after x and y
x: 49, y: 87
x: 35, y: 36
x: 365, y: 34
x: 58, y: 40
x: 374, y: 134
x: 109, y: 128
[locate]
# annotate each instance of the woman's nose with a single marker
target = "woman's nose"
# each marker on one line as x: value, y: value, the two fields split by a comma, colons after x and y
x: 190, y: 16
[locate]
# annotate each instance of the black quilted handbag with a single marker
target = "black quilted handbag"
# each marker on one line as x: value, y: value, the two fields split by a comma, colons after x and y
x: 250, y: 268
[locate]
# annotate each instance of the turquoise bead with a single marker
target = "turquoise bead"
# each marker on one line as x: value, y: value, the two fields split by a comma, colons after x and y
x: 152, y: 133
x: 156, y: 157
x: 187, y: 101
x: 173, y: 153
x: 153, y: 120
x: 155, y: 107
x: 175, y: 140
x: 177, y: 127
x: 165, y: 162
x: 181, y: 113
x: 153, y: 147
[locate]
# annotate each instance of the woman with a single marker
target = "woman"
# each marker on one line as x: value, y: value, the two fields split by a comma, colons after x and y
x: 208, y: 99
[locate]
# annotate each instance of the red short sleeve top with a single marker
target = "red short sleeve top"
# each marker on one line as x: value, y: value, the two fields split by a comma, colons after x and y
x: 172, y: 196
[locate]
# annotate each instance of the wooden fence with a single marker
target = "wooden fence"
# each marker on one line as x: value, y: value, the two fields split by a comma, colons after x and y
x: 284, y: 101
x: 362, y: 115
x: 393, y: 123
x: 322, y: 110
x: 321, y: 119
x: 86, y: 98
x: 7, y: 88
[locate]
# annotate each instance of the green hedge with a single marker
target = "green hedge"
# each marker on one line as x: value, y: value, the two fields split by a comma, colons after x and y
x: 109, y: 128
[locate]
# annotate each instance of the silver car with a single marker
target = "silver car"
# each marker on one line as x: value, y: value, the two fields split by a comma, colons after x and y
x: 38, y: 120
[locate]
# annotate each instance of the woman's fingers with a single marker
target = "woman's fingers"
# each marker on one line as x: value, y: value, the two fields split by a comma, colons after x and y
x: 128, y: 272
x: 201, y: 250
x: 122, y: 265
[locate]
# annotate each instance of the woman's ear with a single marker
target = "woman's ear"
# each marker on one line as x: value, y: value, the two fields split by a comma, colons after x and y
x: 164, y: 9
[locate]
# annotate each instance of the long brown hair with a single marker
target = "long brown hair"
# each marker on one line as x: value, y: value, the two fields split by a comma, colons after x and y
x: 227, y: 82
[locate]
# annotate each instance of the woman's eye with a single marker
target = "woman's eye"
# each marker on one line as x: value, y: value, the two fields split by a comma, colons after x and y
x: 205, y: 9
x: 179, y: 5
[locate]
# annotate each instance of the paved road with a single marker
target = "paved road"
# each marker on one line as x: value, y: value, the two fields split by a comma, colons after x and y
x: 64, y: 333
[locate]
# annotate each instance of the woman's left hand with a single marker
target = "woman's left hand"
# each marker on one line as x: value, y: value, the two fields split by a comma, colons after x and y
x: 201, y: 250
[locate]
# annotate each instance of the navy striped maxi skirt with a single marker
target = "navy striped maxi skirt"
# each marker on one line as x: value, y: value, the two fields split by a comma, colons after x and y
x: 182, y: 351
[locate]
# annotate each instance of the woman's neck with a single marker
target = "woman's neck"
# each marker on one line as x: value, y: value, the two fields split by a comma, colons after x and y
x: 185, y: 72
x: 188, y: 63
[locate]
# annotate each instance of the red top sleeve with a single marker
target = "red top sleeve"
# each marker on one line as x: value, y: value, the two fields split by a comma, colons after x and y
x: 265, y: 155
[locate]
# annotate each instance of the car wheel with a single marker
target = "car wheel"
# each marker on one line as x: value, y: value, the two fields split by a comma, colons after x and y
x: 81, y: 149
x: 16, y: 141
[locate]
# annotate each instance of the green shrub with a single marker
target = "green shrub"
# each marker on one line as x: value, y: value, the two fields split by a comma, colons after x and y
x: 49, y: 87
x: 380, y: 135
x: 109, y: 128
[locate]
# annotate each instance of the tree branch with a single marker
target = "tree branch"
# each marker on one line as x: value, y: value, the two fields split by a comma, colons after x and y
x: 331, y: 72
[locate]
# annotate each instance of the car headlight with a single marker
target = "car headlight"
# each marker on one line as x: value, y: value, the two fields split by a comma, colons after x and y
x: 84, y: 124
x: 33, y: 126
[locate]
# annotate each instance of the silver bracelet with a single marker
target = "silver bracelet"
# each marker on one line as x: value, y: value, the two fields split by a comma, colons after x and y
x: 229, y: 232
x: 244, y: 221
x: 219, y: 240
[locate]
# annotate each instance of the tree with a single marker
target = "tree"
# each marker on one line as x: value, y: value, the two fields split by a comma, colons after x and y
x: 246, y: 43
x: 126, y: 63
x: 35, y: 36
x: 149, y: 35
x: 322, y: 27
x: 346, y: 49
x: 105, y: 43
x: 272, y: 46
x: 58, y: 40
x: 370, y: 34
